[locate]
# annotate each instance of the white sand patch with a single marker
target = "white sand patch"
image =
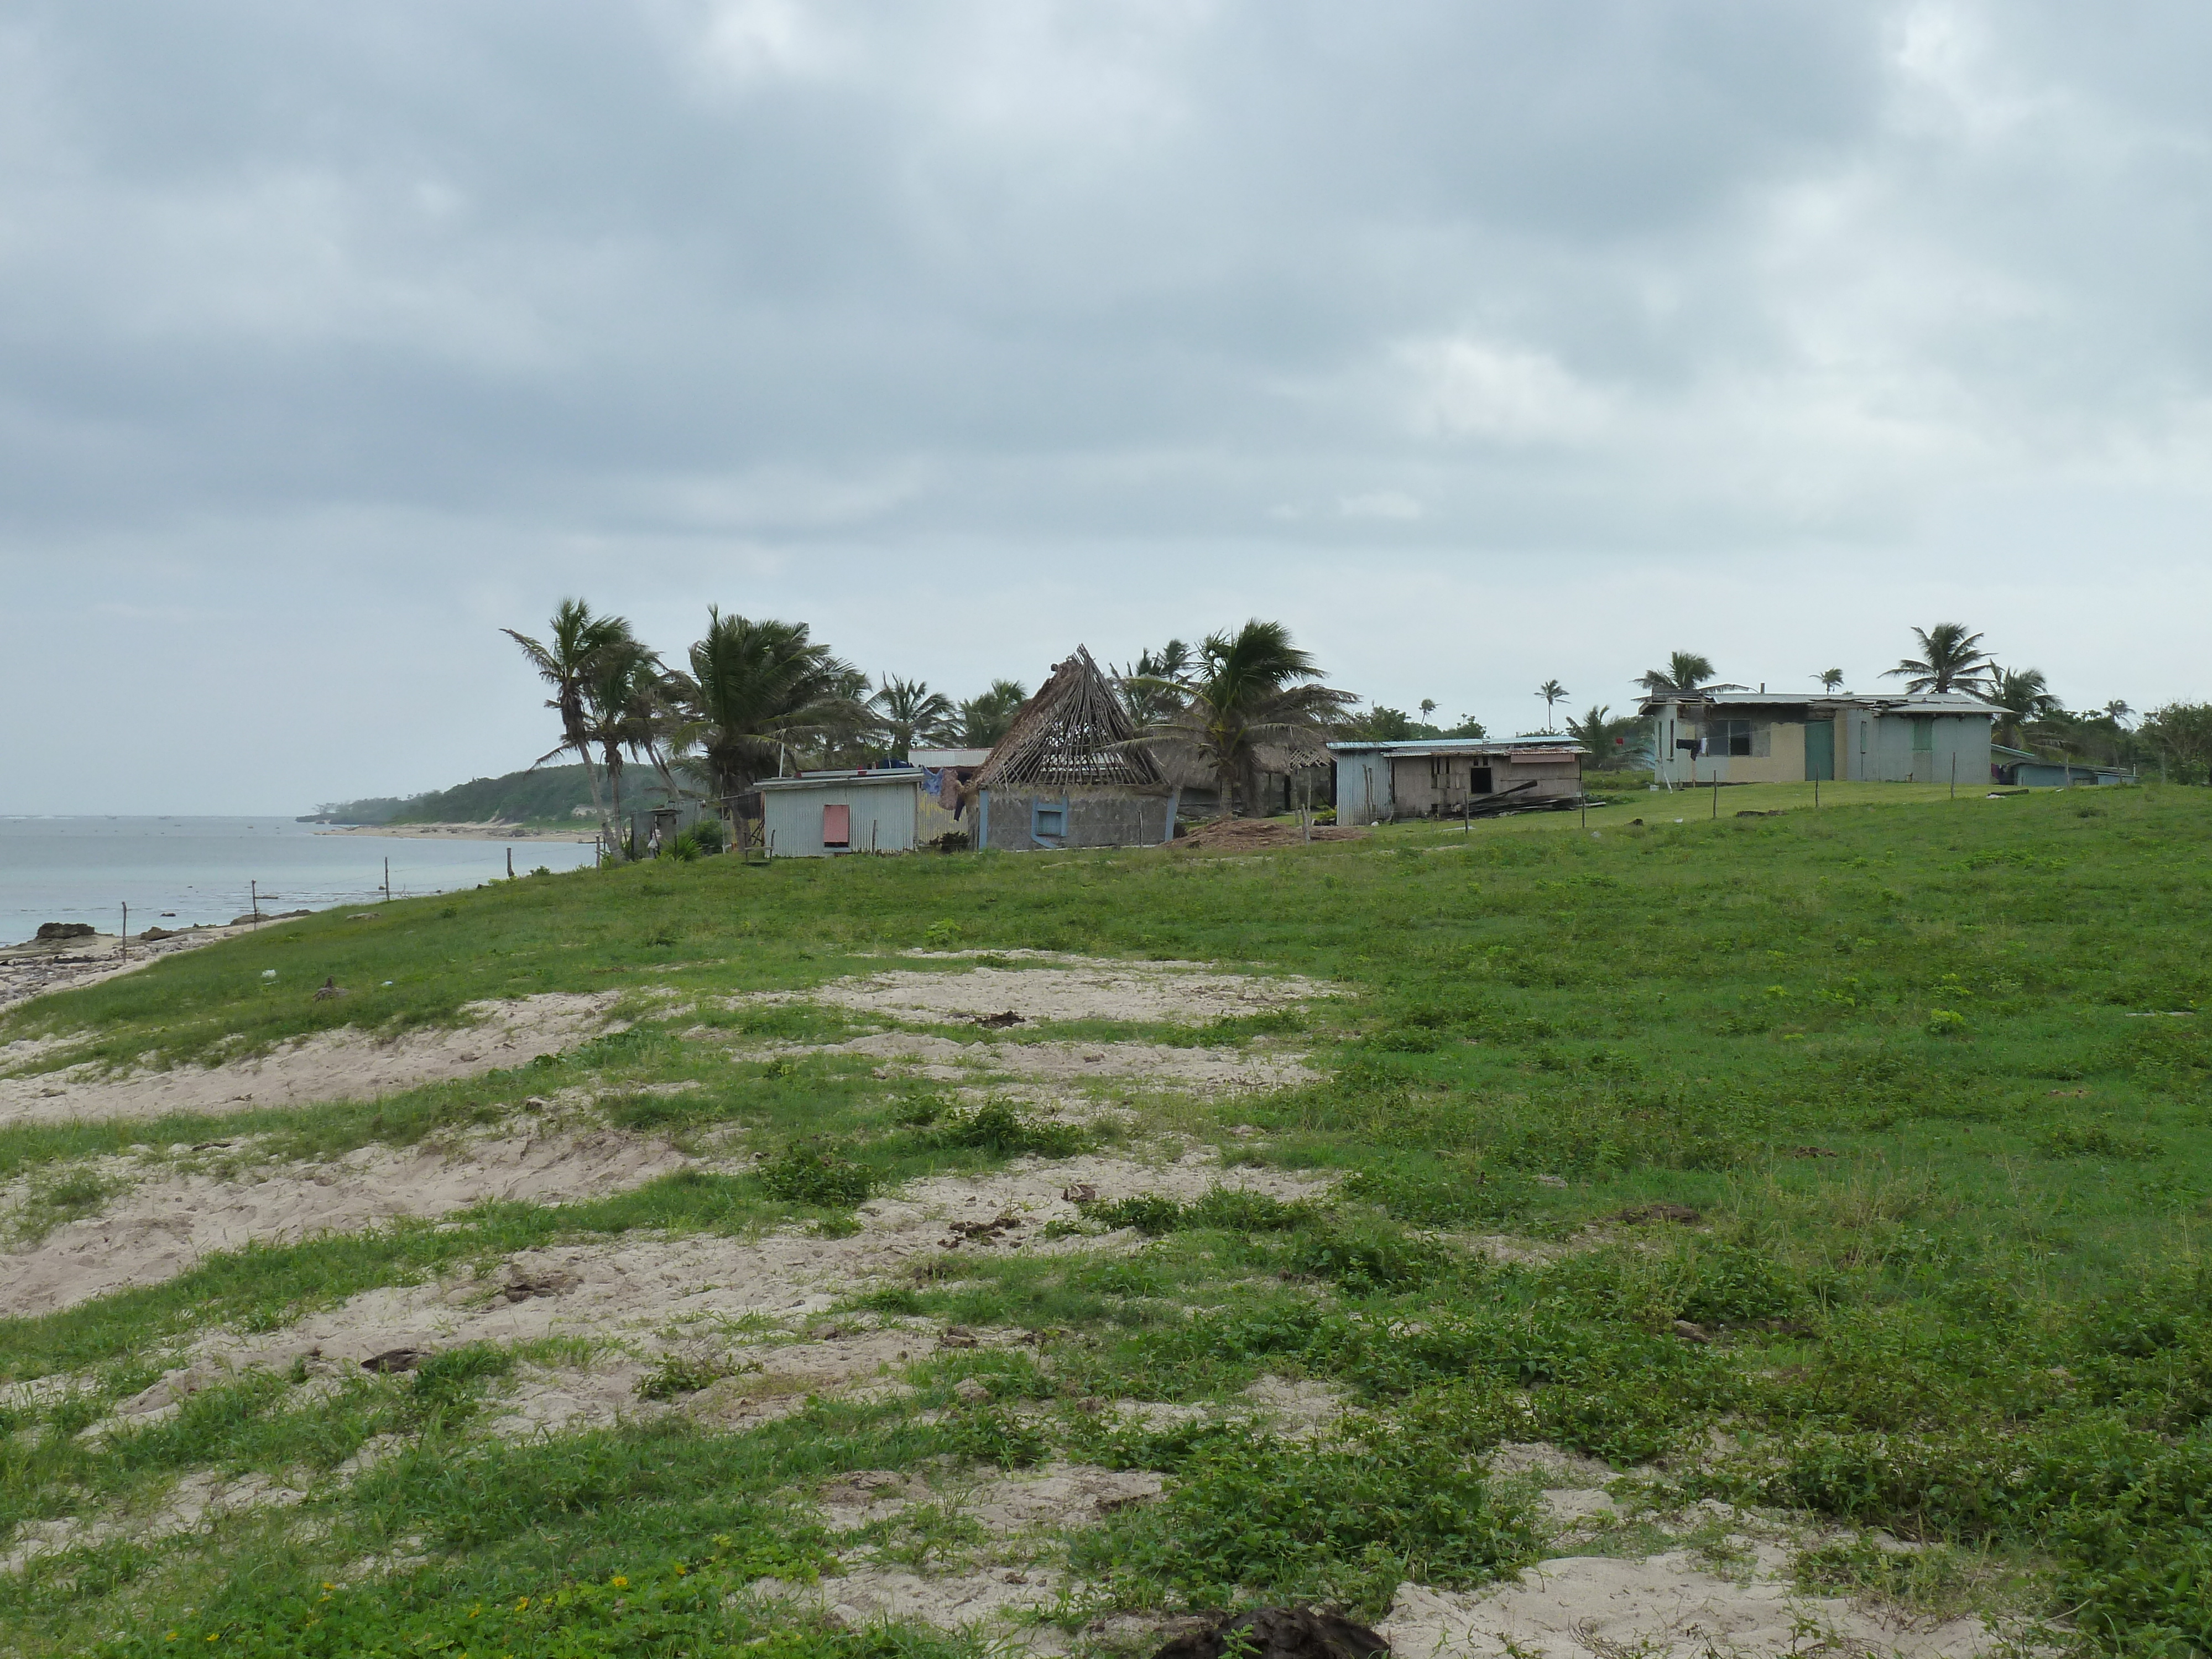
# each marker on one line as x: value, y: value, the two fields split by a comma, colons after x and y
x: 546, y: 1401
x: 197, y: 1500
x: 1055, y: 1498
x: 645, y: 1290
x: 1001, y: 1594
x: 164, y: 1224
x: 1147, y: 1064
x: 1576, y: 1606
x: 1000, y: 1600
x: 1146, y: 992
x: 341, y: 1065
x: 1303, y: 1409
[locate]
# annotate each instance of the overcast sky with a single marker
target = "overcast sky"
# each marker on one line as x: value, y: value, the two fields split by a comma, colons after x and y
x: 1480, y: 342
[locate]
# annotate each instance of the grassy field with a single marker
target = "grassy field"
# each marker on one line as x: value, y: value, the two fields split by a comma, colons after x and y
x: 1933, y: 1076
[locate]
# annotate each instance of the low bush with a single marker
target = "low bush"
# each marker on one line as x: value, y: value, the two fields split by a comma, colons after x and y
x: 814, y: 1172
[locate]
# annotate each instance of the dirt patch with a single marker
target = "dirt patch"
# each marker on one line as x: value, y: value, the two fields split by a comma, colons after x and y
x: 163, y: 1224
x: 1001, y: 1589
x: 1056, y: 1496
x: 1000, y: 1600
x: 1258, y: 836
x: 641, y: 1290
x: 1576, y: 1606
x: 1137, y: 993
x: 197, y: 1500
x: 1203, y: 1070
x: 341, y: 1065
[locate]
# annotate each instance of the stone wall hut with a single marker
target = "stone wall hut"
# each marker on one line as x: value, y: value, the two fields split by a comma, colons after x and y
x: 1068, y: 773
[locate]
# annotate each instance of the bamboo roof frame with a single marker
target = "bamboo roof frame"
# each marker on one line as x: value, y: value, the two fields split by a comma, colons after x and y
x: 1076, y: 730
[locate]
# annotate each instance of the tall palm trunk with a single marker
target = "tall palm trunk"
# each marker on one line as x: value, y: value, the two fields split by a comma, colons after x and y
x: 614, y: 785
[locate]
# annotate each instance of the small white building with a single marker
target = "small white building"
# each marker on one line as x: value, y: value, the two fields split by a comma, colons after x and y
x: 825, y: 814
x: 1755, y: 737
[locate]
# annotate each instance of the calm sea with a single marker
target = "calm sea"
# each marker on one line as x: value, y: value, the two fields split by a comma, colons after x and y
x: 193, y: 869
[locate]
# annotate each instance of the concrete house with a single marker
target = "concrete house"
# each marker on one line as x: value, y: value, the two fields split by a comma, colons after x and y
x: 1754, y: 737
x: 1440, y: 777
x: 826, y: 814
x: 1067, y: 774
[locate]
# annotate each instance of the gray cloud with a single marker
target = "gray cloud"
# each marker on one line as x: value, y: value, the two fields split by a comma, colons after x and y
x: 407, y: 319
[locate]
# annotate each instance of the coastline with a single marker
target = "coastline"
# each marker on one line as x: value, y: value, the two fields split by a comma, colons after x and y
x: 31, y: 970
x: 492, y: 830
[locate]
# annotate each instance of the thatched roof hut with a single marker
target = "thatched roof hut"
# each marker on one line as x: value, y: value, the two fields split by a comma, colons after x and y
x: 1076, y: 730
x: 1069, y: 772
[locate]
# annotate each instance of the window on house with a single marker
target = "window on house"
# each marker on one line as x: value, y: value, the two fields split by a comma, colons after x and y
x: 1728, y: 737
x: 1924, y: 734
x: 1478, y: 780
x: 836, y: 826
x: 1047, y: 822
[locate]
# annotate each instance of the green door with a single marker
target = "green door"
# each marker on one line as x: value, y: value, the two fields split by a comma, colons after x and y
x: 1821, y: 751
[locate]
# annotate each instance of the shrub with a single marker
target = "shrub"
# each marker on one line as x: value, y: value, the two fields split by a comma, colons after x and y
x: 1347, y: 1521
x: 999, y: 1127
x: 679, y: 1374
x: 811, y: 1172
x: 1231, y: 1209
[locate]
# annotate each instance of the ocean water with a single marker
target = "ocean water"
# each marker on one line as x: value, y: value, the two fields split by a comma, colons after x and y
x: 175, y: 871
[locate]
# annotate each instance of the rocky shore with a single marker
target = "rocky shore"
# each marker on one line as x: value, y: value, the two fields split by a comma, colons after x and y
x: 55, y: 964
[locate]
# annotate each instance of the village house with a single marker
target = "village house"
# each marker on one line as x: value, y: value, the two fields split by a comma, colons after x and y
x: 1443, y: 777
x: 1753, y: 736
x: 826, y: 814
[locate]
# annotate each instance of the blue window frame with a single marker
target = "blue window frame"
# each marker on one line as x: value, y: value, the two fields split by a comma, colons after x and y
x: 1048, y: 821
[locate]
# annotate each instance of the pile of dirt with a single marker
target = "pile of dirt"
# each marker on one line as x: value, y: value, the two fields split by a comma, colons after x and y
x: 1256, y: 834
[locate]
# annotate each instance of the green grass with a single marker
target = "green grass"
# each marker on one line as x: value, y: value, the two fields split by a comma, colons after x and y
x: 1936, y: 1076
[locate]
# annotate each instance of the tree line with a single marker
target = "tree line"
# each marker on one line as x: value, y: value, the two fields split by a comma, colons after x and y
x: 755, y: 698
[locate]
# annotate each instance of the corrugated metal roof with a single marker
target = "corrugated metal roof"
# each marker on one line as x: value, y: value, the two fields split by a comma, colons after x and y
x: 908, y: 775
x: 1902, y: 702
x: 1415, y: 747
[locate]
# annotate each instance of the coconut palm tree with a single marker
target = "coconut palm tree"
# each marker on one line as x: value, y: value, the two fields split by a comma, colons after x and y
x: 2024, y: 697
x: 1552, y: 693
x: 1686, y: 673
x: 622, y: 700
x: 1149, y: 684
x: 1247, y: 690
x: 984, y: 719
x: 909, y: 713
x: 2118, y: 713
x: 576, y: 647
x: 1831, y: 680
x: 755, y: 689
x: 1596, y: 730
x: 1950, y: 659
